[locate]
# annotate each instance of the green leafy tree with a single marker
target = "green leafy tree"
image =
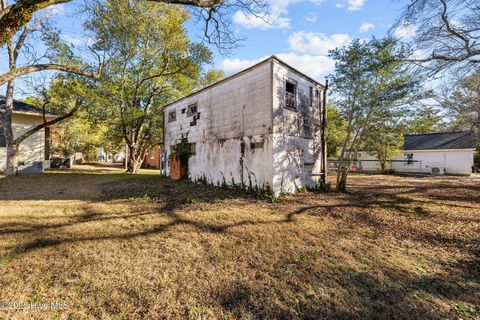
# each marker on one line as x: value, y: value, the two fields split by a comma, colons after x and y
x: 370, y: 79
x: 424, y: 120
x: 336, y: 131
x: 384, y: 139
x: 151, y: 61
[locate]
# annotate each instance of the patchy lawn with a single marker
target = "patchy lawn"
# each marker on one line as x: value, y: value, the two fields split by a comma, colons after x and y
x: 118, y: 246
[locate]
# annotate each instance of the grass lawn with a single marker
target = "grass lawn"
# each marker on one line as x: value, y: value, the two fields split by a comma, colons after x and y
x: 118, y: 246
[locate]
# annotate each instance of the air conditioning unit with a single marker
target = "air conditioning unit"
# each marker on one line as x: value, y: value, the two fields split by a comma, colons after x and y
x: 437, y: 171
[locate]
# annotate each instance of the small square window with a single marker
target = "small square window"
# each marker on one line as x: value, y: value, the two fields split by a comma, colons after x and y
x: 409, y: 158
x: 192, y: 110
x: 172, y: 116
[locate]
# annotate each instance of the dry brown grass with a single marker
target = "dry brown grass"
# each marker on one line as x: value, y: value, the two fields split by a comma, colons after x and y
x: 117, y: 246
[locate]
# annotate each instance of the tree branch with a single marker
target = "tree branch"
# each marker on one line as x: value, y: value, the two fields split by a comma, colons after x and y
x: 13, y: 74
x: 28, y: 133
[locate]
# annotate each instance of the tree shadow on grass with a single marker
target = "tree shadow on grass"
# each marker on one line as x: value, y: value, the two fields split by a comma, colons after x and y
x: 340, y: 292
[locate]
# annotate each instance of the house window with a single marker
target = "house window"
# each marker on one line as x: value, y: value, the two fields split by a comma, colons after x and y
x: 3, y: 142
x: 172, y: 116
x: 152, y: 154
x: 256, y: 145
x: 409, y: 158
x: 193, y: 148
x: 290, y: 94
x: 310, y: 95
x: 192, y: 110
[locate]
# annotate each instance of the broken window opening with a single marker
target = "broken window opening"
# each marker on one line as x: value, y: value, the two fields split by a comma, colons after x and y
x: 311, y: 95
x: 290, y: 94
x: 192, y: 110
x: 172, y: 116
x: 193, y: 148
x: 256, y: 145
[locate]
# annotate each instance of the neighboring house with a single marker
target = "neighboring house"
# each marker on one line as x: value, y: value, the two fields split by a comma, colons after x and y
x: 260, y: 127
x: 434, y: 153
x: 34, y: 150
x: 152, y: 158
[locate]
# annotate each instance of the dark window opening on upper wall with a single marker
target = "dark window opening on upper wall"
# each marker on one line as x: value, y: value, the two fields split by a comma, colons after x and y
x: 290, y: 94
x: 310, y: 95
x: 192, y: 110
x: 172, y: 116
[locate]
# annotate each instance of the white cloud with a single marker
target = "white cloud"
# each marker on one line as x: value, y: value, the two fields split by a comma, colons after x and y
x: 230, y: 66
x: 311, y: 17
x: 366, y: 26
x: 250, y: 21
x: 406, y: 31
x: 354, y: 5
x: 276, y: 18
x: 315, y: 66
x: 316, y: 43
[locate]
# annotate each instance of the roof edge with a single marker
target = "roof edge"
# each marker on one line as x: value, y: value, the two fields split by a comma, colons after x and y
x: 241, y: 72
x: 427, y: 134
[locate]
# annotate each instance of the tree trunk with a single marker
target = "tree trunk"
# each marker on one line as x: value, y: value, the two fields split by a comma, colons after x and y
x: 12, y: 160
x: 342, y: 183
x: 135, y: 159
x: 12, y: 147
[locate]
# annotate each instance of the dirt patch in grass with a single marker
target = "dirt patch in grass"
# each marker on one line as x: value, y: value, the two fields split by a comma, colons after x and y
x: 119, y: 246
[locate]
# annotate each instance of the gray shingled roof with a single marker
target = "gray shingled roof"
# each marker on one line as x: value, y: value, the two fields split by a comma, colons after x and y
x: 19, y: 106
x: 442, y: 140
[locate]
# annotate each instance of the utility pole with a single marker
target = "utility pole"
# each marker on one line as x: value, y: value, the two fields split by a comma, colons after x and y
x: 324, y: 135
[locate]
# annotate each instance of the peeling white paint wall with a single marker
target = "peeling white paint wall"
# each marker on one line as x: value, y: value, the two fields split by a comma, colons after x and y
x: 296, y: 154
x: 232, y: 112
x: 31, y: 149
x: 243, y: 135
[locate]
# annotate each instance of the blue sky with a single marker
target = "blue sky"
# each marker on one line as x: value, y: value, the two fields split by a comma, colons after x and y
x: 302, y: 32
x: 299, y: 31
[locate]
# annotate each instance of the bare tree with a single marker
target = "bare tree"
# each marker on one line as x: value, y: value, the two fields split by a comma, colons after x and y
x: 447, y: 33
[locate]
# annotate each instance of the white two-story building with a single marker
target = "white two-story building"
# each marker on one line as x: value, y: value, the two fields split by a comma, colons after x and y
x: 261, y: 127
